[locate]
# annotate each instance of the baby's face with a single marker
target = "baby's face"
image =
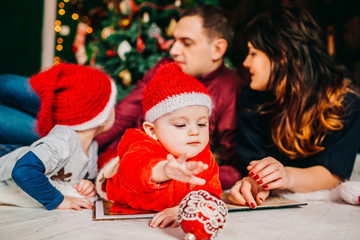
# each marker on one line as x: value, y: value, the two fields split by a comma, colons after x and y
x: 185, y: 130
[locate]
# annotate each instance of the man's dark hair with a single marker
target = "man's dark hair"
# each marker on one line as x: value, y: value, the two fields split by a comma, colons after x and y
x: 215, y: 21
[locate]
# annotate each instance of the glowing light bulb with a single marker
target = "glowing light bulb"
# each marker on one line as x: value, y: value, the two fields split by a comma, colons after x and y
x: 75, y: 16
x: 61, y: 11
x: 59, y: 47
x: 56, y: 60
x: 57, y: 28
x: 89, y: 30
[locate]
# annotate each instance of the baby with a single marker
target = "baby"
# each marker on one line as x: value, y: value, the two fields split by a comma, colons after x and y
x: 159, y: 164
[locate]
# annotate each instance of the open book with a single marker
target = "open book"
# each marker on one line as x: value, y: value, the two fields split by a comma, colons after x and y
x: 102, y: 208
x: 270, y: 202
x: 102, y: 212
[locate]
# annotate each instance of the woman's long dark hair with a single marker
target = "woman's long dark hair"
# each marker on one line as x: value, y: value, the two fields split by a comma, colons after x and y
x: 307, y: 86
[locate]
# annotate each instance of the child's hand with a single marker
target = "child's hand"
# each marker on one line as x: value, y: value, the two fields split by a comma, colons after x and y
x: 75, y: 203
x: 183, y: 171
x: 165, y: 217
x: 85, y: 188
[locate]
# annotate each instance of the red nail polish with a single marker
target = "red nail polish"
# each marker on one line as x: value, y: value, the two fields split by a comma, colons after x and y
x: 247, y: 205
x: 259, y: 182
x: 262, y: 200
x: 359, y: 200
x: 265, y: 186
x: 251, y: 174
x: 253, y: 205
x: 256, y: 177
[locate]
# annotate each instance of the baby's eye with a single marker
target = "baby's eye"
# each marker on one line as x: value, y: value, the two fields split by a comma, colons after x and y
x: 179, y: 125
x: 202, y: 124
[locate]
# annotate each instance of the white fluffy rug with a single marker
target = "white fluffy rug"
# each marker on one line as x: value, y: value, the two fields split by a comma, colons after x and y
x: 11, y: 194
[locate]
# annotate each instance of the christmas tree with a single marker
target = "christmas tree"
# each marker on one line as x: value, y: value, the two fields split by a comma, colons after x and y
x: 127, y: 37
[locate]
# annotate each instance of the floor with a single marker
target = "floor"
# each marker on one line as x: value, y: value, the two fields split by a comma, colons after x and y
x: 317, y: 220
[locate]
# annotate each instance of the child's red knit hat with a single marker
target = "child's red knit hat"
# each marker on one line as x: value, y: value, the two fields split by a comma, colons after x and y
x: 72, y: 95
x: 172, y: 89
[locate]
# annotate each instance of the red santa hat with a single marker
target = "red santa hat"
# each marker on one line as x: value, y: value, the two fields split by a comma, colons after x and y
x: 172, y: 89
x: 72, y: 95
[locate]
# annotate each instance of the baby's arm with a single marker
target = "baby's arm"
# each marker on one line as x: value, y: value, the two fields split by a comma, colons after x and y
x: 28, y: 174
x: 165, y: 217
x: 178, y: 169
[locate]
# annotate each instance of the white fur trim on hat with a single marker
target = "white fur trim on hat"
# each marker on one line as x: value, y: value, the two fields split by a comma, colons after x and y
x: 102, y: 116
x: 176, y: 102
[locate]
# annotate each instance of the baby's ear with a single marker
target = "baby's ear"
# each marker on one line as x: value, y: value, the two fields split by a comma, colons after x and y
x: 149, y: 129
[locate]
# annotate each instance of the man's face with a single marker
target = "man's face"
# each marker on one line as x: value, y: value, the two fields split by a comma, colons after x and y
x: 192, y: 49
x: 184, y: 131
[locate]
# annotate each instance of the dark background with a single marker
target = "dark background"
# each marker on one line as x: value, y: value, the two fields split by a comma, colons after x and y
x: 20, y: 31
x: 342, y: 15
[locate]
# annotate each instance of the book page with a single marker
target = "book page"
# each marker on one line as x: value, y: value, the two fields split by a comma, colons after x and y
x: 102, y: 212
x: 270, y: 202
x: 102, y: 208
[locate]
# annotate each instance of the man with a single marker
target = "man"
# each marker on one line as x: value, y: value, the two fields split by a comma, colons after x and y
x: 202, y: 36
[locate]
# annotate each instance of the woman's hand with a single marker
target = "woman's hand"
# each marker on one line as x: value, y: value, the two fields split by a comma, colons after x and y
x: 165, y: 217
x: 247, y: 192
x: 85, y: 188
x: 269, y: 174
x: 265, y: 174
x: 75, y: 203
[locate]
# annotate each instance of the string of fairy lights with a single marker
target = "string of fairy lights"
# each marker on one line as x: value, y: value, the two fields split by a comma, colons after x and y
x: 63, y: 30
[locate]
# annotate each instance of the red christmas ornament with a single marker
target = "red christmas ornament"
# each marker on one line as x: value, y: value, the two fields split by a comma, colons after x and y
x: 162, y: 43
x: 201, y: 215
x: 140, y: 45
x: 124, y: 23
x: 110, y: 53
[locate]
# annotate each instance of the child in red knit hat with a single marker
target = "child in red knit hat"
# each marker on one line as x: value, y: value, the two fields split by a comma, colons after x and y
x: 169, y: 156
x: 77, y: 104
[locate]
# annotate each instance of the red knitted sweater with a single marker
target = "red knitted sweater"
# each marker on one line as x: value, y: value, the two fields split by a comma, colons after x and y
x: 132, y: 185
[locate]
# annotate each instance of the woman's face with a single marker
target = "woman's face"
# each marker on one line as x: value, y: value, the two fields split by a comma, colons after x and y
x: 259, y: 66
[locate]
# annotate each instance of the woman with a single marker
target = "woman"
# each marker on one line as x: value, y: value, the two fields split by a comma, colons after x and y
x: 299, y: 119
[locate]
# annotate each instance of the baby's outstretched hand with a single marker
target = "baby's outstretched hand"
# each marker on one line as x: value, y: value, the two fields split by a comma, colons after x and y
x: 165, y: 218
x: 85, y: 188
x: 181, y: 170
x: 75, y: 203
